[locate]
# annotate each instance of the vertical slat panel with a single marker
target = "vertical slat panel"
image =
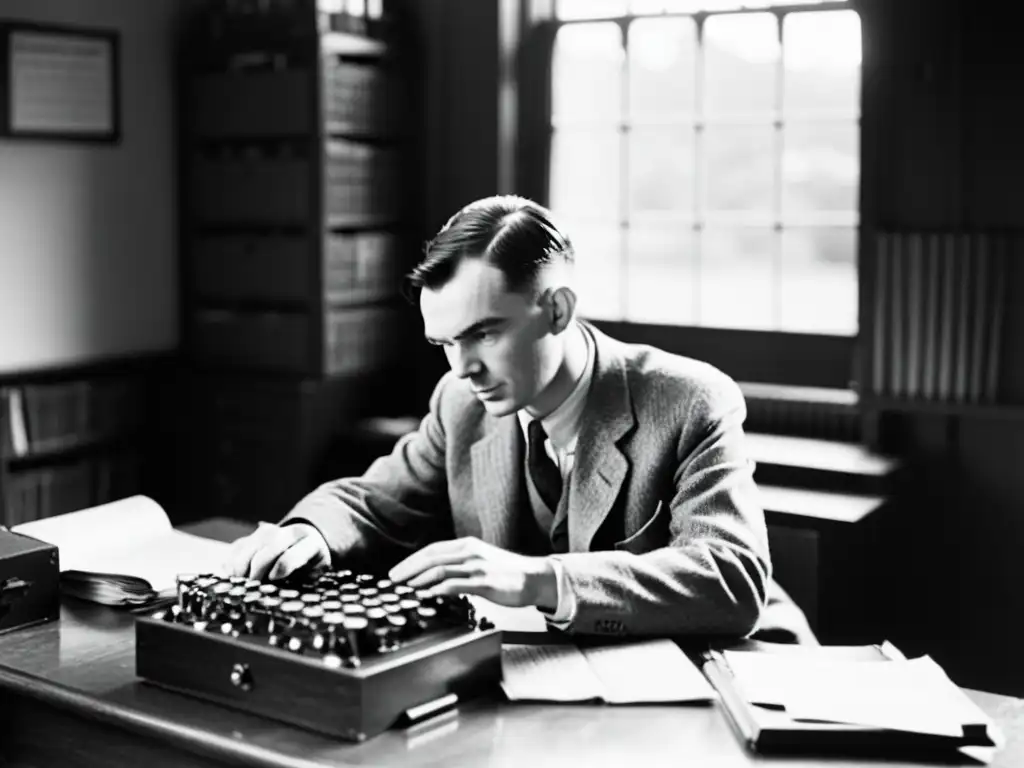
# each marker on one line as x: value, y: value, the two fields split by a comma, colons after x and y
x: 933, y: 276
x: 938, y: 306
x: 979, y: 309
x: 879, y: 353
x: 915, y: 314
x: 1003, y: 254
x: 947, y: 246
x: 963, y: 318
x: 896, y: 363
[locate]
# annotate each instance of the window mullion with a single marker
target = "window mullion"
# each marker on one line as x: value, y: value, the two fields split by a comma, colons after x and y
x: 780, y: 149
x: 624, y: 187
x: 699, y: 127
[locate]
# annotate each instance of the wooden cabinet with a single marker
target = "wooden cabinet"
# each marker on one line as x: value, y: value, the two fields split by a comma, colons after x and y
x: 298, y: 179
x: 296, y: 162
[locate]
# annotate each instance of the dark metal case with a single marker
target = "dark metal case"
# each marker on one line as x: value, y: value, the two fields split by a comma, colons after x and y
x: 29, y: 581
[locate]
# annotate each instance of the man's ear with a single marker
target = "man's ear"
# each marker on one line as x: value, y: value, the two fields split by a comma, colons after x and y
x: 562, y: 308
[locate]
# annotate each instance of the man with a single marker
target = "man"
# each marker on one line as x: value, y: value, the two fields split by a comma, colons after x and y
x: 605, y: 483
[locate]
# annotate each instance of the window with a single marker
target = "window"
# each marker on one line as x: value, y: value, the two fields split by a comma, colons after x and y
x: 705, y: 159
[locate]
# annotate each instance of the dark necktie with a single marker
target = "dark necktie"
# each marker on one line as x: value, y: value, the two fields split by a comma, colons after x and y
x: 546, y: 477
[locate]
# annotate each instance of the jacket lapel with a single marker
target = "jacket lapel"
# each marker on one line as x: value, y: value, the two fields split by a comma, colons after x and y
x: 496, y: 473
x: 600, y: 467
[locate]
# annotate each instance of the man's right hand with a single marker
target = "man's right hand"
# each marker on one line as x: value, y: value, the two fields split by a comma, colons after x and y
x: 275, y: 551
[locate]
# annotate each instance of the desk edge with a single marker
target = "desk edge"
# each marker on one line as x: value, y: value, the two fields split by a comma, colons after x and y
x: 184, y: 737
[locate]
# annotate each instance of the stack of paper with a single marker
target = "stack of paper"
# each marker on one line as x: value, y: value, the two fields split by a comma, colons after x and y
x: 125, y: 552
x: 906, y: 695
x: 647, y: 671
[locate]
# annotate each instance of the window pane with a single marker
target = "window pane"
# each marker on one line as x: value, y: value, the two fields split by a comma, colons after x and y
x: 585, y: 175
x: 692, y: 6
x: 819, y: 280
x: 741, y: 54
x: 737, y: 277
x: 590, y: 9
x: 660, y: 276
x: 587, y: 73
x: 822, y: 54
x: 664, y: 6
x: 661, y: 174
x: 739, y: 170
x: 662, y: 67
x: 599, y: 266
x: 820, y: 167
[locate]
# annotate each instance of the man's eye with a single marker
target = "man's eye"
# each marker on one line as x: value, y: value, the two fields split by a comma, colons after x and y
x: 487, y: 337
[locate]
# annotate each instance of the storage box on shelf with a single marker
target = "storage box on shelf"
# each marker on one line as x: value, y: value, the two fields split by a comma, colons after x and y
x: 254, y: 446
x: 358, y: 267
x: 69, y: 443
x: 295, y: 211
x: 295, y: 129
x: 354, y: 340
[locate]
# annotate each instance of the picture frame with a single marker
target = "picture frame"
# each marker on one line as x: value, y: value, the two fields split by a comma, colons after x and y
x: 59, y: 82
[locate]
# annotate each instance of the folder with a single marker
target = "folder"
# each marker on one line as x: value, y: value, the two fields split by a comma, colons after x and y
x: 784, y: 721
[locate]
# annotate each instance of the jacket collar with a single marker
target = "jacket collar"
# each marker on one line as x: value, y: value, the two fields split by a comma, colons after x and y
x: 600, y: 466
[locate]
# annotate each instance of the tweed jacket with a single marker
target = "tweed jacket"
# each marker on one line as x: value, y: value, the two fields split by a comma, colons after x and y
x: 666, y: 535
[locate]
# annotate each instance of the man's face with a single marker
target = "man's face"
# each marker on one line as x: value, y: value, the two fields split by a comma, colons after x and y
x: 497, y: 339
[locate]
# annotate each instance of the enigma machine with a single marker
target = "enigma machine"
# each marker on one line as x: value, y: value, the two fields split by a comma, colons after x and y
x: 346, y: 654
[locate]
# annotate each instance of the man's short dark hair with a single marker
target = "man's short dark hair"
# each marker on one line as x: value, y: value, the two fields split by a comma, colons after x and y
x: 514, y: 234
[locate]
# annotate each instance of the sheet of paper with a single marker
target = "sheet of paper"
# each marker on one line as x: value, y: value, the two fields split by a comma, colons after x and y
x: 547, y: 673
x: 647, y: 671
x: 130, y: 537
x: 85, y: 537
x: 525, y: 619
x: 914, y: 696
x: 762, y: 677
x: 159, y: 560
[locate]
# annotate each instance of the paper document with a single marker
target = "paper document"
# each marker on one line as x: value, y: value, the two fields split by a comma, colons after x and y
x: 645, y: 671
x: 110, y: 546
x: 547, y: 673
x: 525, y: 619
x: 160, y: 559
x: 906, y: 695
x: 651, y: 671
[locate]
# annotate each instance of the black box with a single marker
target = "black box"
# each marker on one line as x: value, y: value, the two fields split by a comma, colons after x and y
x: 29, y: 581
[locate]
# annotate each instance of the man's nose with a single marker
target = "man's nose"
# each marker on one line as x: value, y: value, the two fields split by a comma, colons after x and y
x: 463, y: 361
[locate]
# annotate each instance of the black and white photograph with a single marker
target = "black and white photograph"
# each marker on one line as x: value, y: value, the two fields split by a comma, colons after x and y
x: 499, y: 383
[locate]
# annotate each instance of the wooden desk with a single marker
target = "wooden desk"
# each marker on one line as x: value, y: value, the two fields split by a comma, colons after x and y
x: 69, y: 696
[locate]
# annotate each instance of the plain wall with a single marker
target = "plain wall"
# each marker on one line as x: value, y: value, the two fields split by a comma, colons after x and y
x: 88, y: 232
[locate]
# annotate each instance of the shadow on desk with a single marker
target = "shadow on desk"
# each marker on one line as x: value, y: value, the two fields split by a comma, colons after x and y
x: 69, y: 697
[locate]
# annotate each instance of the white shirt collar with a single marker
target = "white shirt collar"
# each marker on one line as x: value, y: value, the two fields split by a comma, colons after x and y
x: 562, y: 425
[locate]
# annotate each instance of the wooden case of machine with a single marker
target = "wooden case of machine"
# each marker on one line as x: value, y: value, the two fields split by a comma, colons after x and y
x: 352, y: 703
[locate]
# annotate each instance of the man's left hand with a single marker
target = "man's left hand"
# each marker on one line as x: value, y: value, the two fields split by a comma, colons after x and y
x: 470, y: 566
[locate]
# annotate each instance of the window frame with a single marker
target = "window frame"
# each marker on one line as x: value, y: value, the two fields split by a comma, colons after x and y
x: 764, y: 356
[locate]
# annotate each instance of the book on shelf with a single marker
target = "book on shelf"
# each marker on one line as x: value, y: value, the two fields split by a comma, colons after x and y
x: 124, y: 553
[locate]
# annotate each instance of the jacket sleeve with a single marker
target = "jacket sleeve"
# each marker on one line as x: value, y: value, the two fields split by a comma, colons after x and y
x: 712, y: 576
x: 398, y: 505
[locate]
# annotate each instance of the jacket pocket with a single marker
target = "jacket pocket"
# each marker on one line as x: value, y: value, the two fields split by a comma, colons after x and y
x: 652, y: 534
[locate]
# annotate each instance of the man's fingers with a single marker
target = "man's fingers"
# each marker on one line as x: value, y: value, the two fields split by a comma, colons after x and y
x: 432, y: 555
x: 264, y: 558
x: 463, y: 586
x: 440, y: 573
x: 241, y: 553
x: 294, y: 557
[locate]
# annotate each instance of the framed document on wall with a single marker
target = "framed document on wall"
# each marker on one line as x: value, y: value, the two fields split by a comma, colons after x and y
x: 59, y: 82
